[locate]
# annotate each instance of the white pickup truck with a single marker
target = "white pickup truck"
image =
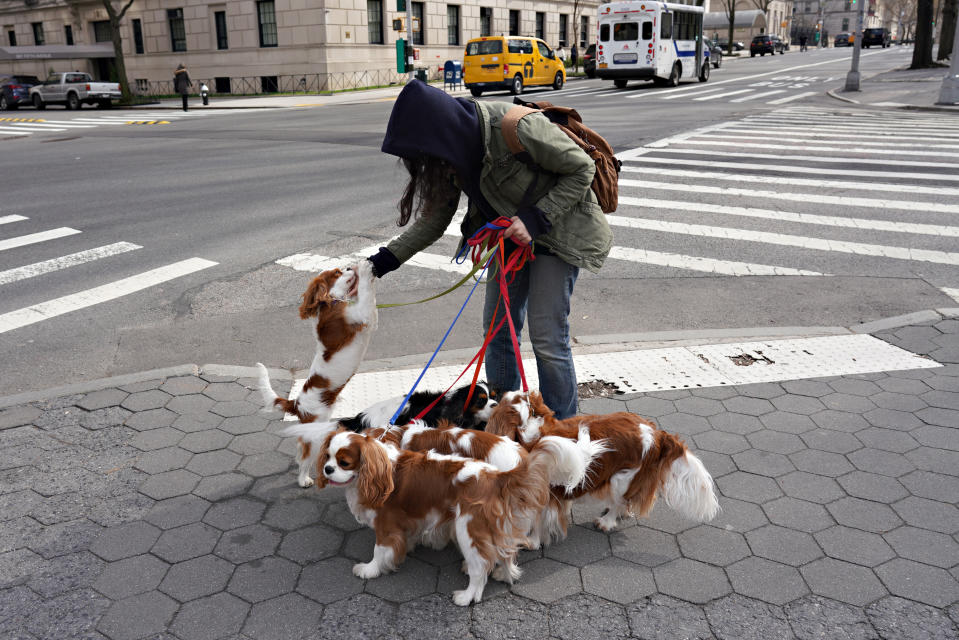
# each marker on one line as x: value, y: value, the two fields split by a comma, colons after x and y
x: 74, y: 89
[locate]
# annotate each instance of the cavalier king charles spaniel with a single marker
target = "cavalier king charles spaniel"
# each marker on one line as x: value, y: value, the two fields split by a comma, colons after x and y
x: 410, y: 497
x: 344, y: 305
x: 639, y: 463
x: 452, y: 409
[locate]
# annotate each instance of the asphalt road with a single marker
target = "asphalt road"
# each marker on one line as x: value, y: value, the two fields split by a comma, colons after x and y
x: 240, y: 190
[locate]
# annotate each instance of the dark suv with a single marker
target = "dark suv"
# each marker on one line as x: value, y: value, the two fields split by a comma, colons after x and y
x: 876, y: 37
x: 768, y: 43
x: 15, y: 90
x: 589, y: 61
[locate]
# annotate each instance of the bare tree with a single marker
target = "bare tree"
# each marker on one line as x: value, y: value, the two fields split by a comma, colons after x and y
x: 729, y: 8
x: 577, y: 10
x: 121, y: 68
x: 948, y: 30
x: 922, y: 52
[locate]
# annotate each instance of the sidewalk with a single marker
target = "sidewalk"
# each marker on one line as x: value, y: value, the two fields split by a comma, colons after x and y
x: 162, y: 505
x: 901, y: 88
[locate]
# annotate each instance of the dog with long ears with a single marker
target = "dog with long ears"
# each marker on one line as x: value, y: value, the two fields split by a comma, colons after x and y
x: 343, y: 302
x: 410, y: 497
x: 640, y: 463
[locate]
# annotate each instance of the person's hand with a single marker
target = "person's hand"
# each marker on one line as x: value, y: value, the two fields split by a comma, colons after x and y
x: 517, y: 232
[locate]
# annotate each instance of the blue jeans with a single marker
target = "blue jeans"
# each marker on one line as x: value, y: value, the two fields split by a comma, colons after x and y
x: 540, y: 292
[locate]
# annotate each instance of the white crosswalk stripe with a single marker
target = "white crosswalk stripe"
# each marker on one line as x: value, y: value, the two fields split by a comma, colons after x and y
x: 13, y: 128
x: 775, y: 199
x: 44, y: 310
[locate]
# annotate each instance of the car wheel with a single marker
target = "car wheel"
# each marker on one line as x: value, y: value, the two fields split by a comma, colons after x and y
x: 558, y: 81
x: 718, y: 62
x: 517, y: 87
x: 620, y: 83
x: 38, y: 103
x: 673, y: 80
x: 591, y: 74
x: 476, y: 92
x: 3, y: 103
x: 752, y: 55
x: 73, y: 102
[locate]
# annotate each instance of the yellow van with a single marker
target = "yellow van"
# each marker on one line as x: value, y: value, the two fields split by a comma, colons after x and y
x: 510, y: 62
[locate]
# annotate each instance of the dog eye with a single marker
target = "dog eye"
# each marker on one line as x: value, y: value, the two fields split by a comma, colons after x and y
x: 343, y: 463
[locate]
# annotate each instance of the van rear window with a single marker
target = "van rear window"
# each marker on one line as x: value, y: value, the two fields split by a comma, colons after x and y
x: 623, y: 31
x: 520, y: 46
x: 484, y: 47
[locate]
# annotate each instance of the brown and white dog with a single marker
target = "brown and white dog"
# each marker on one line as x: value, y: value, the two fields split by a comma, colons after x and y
x: 410, y: 497
x: 640, y: 461
x: 343, y: 331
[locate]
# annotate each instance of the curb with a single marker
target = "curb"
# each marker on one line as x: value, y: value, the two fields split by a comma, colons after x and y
x: 832, y: 93
x: 594, y: 344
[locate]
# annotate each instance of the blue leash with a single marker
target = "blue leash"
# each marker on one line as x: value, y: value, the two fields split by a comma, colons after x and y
x: 399, y: 409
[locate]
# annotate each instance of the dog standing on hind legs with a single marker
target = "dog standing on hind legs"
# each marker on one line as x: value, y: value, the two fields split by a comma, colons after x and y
x: 343, y: 301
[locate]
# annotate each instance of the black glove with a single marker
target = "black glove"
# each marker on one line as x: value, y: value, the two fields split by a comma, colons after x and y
x: 383, y: 262
x: 535, y: 220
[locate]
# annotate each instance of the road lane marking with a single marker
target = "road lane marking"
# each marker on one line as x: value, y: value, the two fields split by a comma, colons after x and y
x: 12, y: 218
x: 788, y: 147
x: 36, y: 126
x: 781, y: 239
x: 798, y: 96
x: 764, y: 94
x: 790, y: 216
x: 22, y: 132
x: 33, y: 238
x: 90, y: 297
x: 98, y: 121
x: 952, y: 293
x: 708, y: 265
x: 765, y: 136
x: 681, y: 95
x: 724, y: 95
x: 800, y: 182
x: 767, y: 156
x: 820, y: 131
x: 850, y: 121
x: 718, y: 164
x: 63, y: 262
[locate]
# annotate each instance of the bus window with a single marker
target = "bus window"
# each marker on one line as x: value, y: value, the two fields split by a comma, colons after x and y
x: 647, y: 30
x: 604, y: 33
x: 666, y: 31
x: 625, y: 31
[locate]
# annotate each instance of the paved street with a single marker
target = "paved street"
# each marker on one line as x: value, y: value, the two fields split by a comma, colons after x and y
x: 783, y: 292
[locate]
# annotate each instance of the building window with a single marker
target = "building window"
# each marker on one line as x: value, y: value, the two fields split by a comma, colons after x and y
x: 583, y: 31
x: 143, y: 85
x: 417, y: 8
x: 845, y: 24
x: 68, y: 34
x: 269, y: 84
x: 137, y: 36
x: 563, y: 29
x: 12, y: 37
x: 102, y: 32
x: 374, y: 8
x: 177, y: 31
x: 452, y: 24
x: 266, y: 13
x: 540, y: 25
x: 219, y: 18
x: 38, y: 38
x: 221, y: 84
x: 486, y: 21
x: 513, y: 22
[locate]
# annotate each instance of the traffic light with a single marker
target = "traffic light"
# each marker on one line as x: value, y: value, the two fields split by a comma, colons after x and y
x: 403, y: 55
x: 401, y: 6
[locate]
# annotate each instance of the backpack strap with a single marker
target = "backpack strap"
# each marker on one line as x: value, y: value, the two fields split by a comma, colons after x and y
x: 510, y: 129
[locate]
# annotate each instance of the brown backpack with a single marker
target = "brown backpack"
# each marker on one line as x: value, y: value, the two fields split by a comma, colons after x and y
x: 605, y: 181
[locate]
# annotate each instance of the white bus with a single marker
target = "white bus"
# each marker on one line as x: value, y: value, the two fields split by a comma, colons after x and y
x: 657, y: 41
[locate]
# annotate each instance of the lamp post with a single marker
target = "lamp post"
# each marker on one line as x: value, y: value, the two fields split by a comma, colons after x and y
x: 852, y: 78
x: 949, y: 94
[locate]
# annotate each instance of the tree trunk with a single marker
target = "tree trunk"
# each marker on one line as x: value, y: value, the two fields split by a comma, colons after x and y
x: 732, y: 26
x: 922, y: 53
x: 119, y: 63
x: 948, y: 32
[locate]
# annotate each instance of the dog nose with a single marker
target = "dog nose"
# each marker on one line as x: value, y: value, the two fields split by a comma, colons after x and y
x: 328, y: 469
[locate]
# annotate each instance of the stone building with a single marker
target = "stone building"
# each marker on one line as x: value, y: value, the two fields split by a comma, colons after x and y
x: 839, y: 16
x: 257, y: 45
x: 753, y: 18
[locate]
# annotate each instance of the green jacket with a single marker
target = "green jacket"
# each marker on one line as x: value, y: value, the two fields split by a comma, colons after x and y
x: 579, y: 235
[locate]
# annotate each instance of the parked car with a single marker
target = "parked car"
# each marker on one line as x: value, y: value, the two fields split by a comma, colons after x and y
x: 715, y: 52
x: 510, y: 62
x: 878, y: 37
x: 737, y: 46
x: 589, y: 61
x: 766, y: 43
x: 74, y: 89
x: 15, y: 91
x: 842, y: 39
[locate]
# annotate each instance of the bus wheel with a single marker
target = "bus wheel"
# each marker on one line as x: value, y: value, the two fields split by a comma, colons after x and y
x: 620, y: 83
x: 673, y: 80
x: 517, y: 87
x: 704, y: 72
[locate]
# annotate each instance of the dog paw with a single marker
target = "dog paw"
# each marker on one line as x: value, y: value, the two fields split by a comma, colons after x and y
x: 462, y: 598
x: 605, y: 524
x: 305, y: 482
x: 366, y: 570
x: 365, y: 270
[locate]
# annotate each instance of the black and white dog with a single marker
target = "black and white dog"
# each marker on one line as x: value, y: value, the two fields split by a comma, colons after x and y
x: 451, y: 408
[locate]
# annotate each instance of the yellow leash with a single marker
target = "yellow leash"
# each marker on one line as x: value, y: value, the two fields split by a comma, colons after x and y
x: 476, y: 267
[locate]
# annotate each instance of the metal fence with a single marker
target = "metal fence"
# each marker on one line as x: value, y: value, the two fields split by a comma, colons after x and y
x: 316, y: 83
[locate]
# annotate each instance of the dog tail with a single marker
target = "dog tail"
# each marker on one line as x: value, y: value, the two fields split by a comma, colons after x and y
x: 568, y: 460
x: 689, y: 488
x: 313, y: 432
x: 270, y: 399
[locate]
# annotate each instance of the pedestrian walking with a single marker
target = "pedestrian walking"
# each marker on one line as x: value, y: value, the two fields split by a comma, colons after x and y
x: 181, y: 83
x: 452, y: 146
x: 574, y: 55
x: 561, y: 54
x: 802, y: 42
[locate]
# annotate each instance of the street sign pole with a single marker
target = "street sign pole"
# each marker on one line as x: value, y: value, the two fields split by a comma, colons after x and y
x: 409, y: 39
x: 949, y: 94
x: 852, y: 78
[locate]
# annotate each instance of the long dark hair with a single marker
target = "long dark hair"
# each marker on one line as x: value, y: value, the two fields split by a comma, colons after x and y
x: 429, y: 188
